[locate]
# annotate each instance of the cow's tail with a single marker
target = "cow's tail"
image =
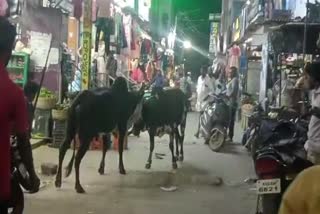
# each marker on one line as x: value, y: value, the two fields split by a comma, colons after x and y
x: 72, y: 130
x: 184, y: 118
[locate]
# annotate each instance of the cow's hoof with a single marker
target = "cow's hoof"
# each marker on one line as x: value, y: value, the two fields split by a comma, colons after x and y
x: 174, y: 165
x: 122, y: 171
x: 58, y: 183
x: 80, y: 189
x: 101, y: 171
x: 181, y: 158
x: 148, y: 166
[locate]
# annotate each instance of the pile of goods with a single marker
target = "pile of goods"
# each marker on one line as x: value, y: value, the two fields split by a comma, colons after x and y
x: 60, y: 111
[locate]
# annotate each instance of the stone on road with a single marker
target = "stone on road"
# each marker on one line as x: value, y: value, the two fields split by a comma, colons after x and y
x: 206, y: 182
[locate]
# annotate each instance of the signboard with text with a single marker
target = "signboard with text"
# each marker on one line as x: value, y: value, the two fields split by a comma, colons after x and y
x: 213, y: 35
x: 86, y: 45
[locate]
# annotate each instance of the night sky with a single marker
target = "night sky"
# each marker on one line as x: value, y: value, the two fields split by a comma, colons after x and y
x: 196, y: 27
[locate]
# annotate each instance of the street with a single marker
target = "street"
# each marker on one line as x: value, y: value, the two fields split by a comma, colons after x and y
x: 139, y: 191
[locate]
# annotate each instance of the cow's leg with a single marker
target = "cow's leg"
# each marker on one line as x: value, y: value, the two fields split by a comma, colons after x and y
x: 171, y: 145
x: 106, y: 143
x: 84, y: 146
x: 62, y: 152
x: 122, y: 132
x: 182, y: 130
x: 152, y: 133
x: 177, y: 139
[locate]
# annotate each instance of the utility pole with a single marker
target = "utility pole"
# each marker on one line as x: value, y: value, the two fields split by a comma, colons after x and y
x: 86, y: 44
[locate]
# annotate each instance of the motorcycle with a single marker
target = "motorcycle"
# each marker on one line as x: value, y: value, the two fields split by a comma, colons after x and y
x: 279, y: 158
x: 214, y: 121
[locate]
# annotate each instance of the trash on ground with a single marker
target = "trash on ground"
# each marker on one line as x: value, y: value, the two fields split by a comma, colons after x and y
x: 250, y: 180
x: 169, y: 189
x: 217, y: 181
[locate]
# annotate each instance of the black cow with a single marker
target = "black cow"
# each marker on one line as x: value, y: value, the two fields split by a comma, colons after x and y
x: 169, y: 109
x: 99, y: 111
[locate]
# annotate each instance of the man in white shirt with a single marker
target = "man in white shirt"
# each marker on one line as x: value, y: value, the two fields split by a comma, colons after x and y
x: 204, y: 89
x: 313, y: 144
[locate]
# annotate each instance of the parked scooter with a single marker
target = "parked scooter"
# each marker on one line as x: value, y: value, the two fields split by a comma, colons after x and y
x: 214, y: 121
x: 279, y: 158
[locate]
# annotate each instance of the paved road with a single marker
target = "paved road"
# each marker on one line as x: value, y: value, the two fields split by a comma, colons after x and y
x: 139, y: 191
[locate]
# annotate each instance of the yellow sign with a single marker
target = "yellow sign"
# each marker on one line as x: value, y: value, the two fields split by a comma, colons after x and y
x: 86, y: 45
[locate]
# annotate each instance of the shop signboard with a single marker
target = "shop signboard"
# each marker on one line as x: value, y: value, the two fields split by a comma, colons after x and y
x: 213, y: 35
x: 86, y: 45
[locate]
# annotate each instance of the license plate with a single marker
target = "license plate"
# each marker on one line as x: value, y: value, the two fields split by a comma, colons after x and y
x: 268, y: 186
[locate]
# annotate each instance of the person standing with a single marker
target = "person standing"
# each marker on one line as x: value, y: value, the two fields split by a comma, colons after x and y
x: 313, y: 83
x: 204, y: 89
x: 13, y: 114
x: 232, y: 94
x: 158, y: 83
x: 185, y: 84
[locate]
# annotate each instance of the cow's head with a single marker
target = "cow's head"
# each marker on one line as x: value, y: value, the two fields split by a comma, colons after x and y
x: 136, y: 104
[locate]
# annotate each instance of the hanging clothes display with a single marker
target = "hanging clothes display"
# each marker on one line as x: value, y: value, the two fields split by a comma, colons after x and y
x: 104, y: 23
x: 3, y: 7
x: 145, y: 50
x: 77, y: 9
x: 112, y: 66
x: 150, y: 70
x: 127, y: 24
x: 94, y: 10
x: 234, y: 56
x: 102, y: 74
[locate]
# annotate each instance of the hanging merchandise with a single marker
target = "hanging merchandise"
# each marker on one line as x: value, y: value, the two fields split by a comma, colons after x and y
x: 234, y: 53
x: 77, y: 8
x: 94, y: 10
x: 104, y: 23
x: 75, y: 85
x: 101, y: 65
x: 150, y: 70
x: 112, y: 66
x: 127, y: 24
x: 3, y: 7
x: 119, y: 33
x: 146, y: 46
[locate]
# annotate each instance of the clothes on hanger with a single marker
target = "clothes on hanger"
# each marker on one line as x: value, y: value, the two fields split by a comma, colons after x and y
x: 112, y: 66
x: 235, y: 53
x: 3, y: 7
x: 104, y: 8
x: 106, y: 26
x: 77, y: 9
x: 101, y: 66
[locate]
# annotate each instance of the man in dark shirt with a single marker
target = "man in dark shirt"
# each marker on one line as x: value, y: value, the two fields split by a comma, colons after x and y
x: 13, y: 114
x: 232, y: 93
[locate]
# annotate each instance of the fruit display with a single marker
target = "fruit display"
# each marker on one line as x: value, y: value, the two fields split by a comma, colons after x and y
x: 45, y: 93
x: 47, y: 99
